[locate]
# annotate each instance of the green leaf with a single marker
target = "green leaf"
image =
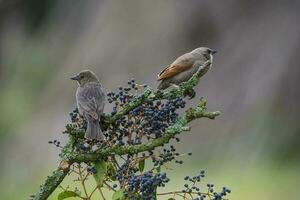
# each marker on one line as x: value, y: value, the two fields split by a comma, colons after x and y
x: 141, y: 165
x: 101, y: 171
x: 66, y: 194
x: 171, y: 199
x: 118, y: 195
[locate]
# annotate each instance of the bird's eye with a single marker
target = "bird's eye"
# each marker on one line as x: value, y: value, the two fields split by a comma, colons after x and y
x: 81, y: 76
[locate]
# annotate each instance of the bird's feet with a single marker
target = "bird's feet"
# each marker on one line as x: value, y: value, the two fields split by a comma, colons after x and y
x: 190, y: 93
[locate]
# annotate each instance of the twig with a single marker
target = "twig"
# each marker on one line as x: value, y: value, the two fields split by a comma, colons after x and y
x: 82, y: 181
x: 109, y: 187
x: 102, y: 195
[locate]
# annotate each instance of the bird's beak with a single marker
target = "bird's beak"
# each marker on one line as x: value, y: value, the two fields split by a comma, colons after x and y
x: 213, y: 51
x: 75, y: 78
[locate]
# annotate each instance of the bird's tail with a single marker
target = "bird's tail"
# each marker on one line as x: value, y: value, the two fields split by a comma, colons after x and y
x: 93, y: 130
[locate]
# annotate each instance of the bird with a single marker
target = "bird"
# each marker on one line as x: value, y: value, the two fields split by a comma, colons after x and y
x: 183, y: 68
x: 90, y: 99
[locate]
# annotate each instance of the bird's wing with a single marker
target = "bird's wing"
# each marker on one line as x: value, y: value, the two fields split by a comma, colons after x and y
x: 179, y: 65
x: 91, y: 99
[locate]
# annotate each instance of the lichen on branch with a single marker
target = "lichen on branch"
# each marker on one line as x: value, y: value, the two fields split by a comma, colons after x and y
x: 180, y: 126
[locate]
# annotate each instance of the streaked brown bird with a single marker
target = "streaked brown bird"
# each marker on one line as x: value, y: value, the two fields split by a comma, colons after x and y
x: 90, y: 99
x: 183, y: 68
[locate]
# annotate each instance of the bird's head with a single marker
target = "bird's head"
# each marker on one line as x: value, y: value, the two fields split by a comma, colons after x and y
x: 204, y: 51
x: 85, y: 76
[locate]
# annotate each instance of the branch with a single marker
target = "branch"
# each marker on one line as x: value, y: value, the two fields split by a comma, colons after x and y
x: 69, y: 156
x: 180, y: 126
x: 51, y: 183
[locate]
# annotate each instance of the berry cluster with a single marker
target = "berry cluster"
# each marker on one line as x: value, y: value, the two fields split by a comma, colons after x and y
x: 218, y: 195
x: 167, y: 155
x: 192, y: 189
x: 123, y: 95
x: 125, y: 171
x: 74, y: 115
x: 77, y: 119
x: 149, y: 120
x: 144, y: 186
x: 157, y: 116
x: 55, y: 142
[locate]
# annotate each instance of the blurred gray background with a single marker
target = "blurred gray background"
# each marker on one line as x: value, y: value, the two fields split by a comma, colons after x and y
x: 253, y: 147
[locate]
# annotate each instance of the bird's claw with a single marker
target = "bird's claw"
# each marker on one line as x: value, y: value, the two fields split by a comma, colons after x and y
x: 190, y: 93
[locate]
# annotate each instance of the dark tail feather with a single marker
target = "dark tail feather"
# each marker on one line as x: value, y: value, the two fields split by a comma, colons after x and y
x: 93, y: 131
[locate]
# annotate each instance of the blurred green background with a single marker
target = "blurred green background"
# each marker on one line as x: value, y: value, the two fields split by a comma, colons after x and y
x: 252, y: 148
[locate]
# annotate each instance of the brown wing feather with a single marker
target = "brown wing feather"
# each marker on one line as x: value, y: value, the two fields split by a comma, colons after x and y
x: 179, y: 65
